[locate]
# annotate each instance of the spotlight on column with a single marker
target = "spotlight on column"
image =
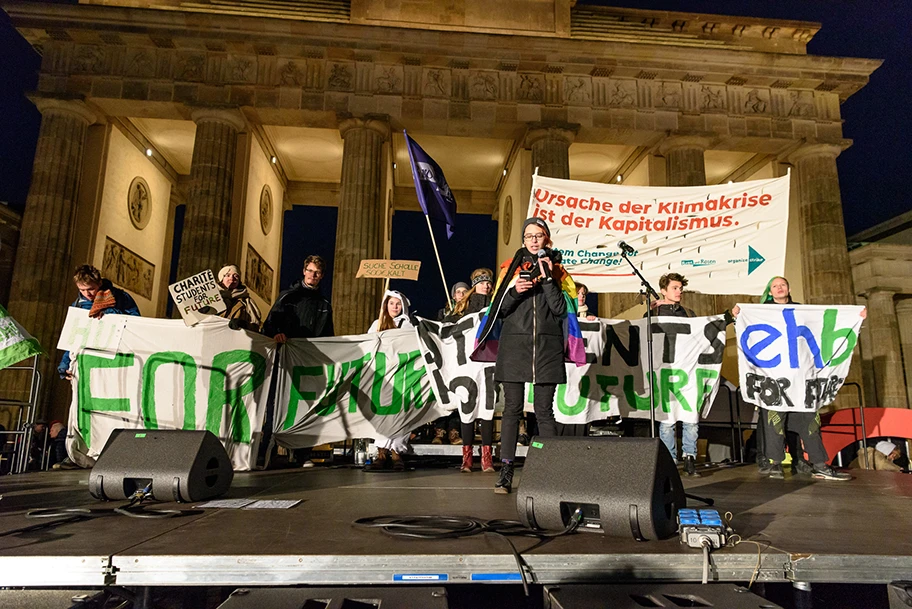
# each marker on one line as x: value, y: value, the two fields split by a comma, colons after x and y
x: 274, y: 160
x: 148, y: 152
x: 620, y: 177
x: 394, y: 166
x: 505, y: 171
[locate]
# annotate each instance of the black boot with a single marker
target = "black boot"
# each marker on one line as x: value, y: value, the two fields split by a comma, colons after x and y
x: 690, y: 466
x: 505, y: 482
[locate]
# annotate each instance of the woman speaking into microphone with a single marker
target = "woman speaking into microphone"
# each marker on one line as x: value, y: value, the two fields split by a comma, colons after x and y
x: 529, y: 329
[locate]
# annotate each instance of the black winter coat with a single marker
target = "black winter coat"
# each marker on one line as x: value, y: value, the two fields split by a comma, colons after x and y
x: 531, y: 347
x: 300, y: 312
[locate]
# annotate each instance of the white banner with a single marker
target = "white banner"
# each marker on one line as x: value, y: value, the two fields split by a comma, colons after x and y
x: 687, y: 358
x: 724, y: 238
x: 795, y: 357
x: 332, y: 389
x: 165, y: 375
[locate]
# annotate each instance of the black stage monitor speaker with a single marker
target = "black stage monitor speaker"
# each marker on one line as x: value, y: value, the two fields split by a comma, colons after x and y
x: 625, y: 486
x: 180, y: 465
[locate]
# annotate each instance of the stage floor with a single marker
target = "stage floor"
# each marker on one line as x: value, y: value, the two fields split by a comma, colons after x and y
x: 851, y: 532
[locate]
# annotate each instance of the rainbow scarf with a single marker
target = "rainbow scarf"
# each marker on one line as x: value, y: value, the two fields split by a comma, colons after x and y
x: 488, y: 335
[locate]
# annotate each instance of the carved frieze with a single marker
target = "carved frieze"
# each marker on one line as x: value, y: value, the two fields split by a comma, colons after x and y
x: 139, y: 63
x: 578, y: 90
x: 190, y: 66
x: 531, y: 88
x: 667, y: 94
x: 483, y: 86
x: 621, y: 93
x: 292, y: 74
x: 258, y: 275
x: 755, y: 101
x: 436, y: 82
x: 340, y: 76
x: 90, y: 59
x: 712, y: 98
x: 388, y: 79
x: 126, y: 268
x: 801, y: 104
x: 239, y: 69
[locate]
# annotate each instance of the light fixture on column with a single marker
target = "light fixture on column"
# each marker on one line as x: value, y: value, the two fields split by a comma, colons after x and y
x: 148, y: 152
x: 505, y: 171
x: 620, y: 177
x: 274, y: 159
x: 731, y: 181
x: 394, y: 167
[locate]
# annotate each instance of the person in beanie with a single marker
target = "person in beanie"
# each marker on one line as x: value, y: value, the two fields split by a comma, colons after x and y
x: 457, y: 293
x: 881, y: 457
x: 531, y: 323
x: 242, y: 311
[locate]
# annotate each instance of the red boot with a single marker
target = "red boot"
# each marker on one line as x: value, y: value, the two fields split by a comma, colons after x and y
x: 487, y: 461
x: 467, y: 459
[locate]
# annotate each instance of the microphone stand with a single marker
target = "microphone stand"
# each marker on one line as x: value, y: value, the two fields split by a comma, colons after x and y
x: 650, y: 293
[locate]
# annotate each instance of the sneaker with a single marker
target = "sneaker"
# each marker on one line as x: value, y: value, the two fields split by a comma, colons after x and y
x: 775, y: 471
x: 690, y: 466
x: 308, y: 463
x: 505, y: 483
x: 801, y: 466
x: 825, y: 472
x: 67, y: 463
x: 765, y: 468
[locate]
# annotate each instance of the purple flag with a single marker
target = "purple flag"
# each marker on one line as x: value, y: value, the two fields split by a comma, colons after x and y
x: 434, y: 195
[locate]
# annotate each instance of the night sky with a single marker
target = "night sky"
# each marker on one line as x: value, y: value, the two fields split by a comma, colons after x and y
x: 872, y: 172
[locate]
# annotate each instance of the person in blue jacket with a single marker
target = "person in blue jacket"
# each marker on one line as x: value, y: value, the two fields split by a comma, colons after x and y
x: 99, y: 297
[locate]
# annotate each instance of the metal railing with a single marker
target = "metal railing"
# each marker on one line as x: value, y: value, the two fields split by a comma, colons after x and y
x: 23, y: 433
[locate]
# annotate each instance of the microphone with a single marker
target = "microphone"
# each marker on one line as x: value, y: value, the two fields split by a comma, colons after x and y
x: 625, y: 248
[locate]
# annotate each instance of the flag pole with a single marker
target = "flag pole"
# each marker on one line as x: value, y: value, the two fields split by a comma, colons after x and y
x: 446, y: 288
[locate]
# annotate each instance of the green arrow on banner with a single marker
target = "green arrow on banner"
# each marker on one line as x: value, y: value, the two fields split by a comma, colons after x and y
x: 754, y: 260
x: 15, y: 343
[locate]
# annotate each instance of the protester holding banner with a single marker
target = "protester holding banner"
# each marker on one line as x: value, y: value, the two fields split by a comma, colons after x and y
x: 531, y: 303
x: 302, y: 311
x: 394, y: 314
x: 99, y: 297
x: 242, y: 312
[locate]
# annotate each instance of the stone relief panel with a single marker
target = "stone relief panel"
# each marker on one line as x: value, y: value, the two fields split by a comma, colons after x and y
x: 139, y: 203
x: 90, y: 59
x: 266, y: 209
x: 712, y: 98
x: 128, y: 269
x: 667, y: 94
x: 259, y: 275
x: 578, y: 90
x: 239, y: 69
x: 616, y: 93
x: 531, y: 88
x: 755, y: 101
x: 139, y: 63
x: 435, y: 82
x: 801, y: 104
x: 292, y: 74
x: 190, y: 66
x: 340, y: 76
x: 484, y: 85
x: 388, y: 79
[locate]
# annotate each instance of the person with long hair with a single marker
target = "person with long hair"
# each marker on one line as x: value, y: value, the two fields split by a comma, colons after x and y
x: 776, y: 429
x: 394, y: 314
x: 531, y: 324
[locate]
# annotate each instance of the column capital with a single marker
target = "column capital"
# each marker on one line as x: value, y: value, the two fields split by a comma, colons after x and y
x: 230, y: 116
x: 879, y: 292
x: 676, y: 142
x: 374, y: 122
x: 565, y: 132
x: 903, y: 306
x: 814, y: 149
x: 72, y: 107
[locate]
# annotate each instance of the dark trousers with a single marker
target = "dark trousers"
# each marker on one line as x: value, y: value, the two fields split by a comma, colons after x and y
x: 514, y: 399
x: 791, y: 440
x: 807, y: 427
x: 487, y: 432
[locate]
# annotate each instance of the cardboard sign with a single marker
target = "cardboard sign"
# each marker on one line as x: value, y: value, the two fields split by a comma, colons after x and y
x: 389, y: 269
x: 197, y: 296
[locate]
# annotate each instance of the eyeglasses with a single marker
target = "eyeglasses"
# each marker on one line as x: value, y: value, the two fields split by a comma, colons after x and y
x: 534, y: 237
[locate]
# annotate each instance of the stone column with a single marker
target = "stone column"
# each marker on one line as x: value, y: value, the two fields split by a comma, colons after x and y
x: 685, y: 166
x: 827, y: 272
x: 889, y: 381
x: 904, y: 320
x: 359, y: 233
x: 550, y: 146
x: 42, y: 283
x: 207, y: 223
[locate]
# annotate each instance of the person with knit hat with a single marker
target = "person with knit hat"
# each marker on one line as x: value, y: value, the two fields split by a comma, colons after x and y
x: 530, y: 328
x: 881, y: 456
x: 242, y: 312
x: 457, y: 294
